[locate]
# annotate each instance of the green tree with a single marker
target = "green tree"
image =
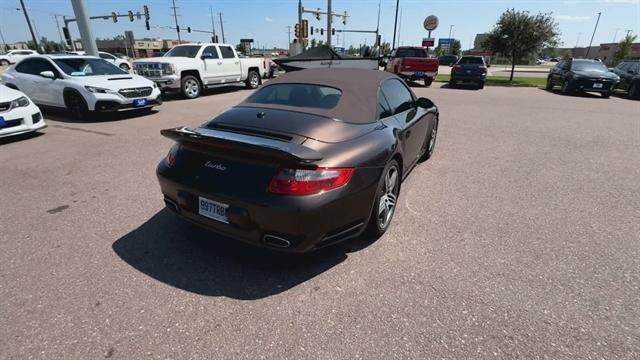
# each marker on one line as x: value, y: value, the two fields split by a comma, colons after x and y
x: 352, y: 50
x: 314, y: 42
x: 456, y: 47
x: 624, y: 48
x: 321, y: 42
x: 517, y: 35
x: 47, y: 45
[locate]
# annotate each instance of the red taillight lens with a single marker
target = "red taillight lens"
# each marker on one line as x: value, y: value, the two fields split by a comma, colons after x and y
x: 170, y: 159
x: 308, y: 182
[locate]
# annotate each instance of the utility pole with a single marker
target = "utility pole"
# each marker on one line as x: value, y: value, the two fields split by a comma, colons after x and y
x: 399, y: 28
x: 59, y: 32
x: 175, y: 17
x: 86, y: 34
x: 329, y: 19
x: 594, y: 34
x: 224, y: 40
x: 450, y: 42
x: 289, y: 33
x: 395, y: 26
x: 616, y: 35
x: 4, y: 43
x: 213, y: 26
x: 628, y: 32
x: 26, y: 16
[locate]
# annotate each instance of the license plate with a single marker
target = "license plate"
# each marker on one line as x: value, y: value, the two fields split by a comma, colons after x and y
x: 419, y: 73
x: 213, y: 209
x: 2, y: 122
x: 597, y: 85
x: 139, y: 102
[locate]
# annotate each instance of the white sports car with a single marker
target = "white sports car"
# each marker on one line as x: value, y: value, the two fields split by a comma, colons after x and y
x: 18, y: 114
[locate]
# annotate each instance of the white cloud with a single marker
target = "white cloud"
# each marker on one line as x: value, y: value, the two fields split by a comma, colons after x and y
x: 572, y: 17
x: 268, y: 19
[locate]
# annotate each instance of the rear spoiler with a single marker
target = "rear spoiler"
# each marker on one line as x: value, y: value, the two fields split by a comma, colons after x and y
x: 230, y: 141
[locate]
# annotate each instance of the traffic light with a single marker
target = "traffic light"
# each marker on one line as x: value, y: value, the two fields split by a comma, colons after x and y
x: 317, y: 14
x: 67, y: 36
x: 214, y: 39
x: 312, y: 30
x: 297, y: 30
x: 130, y: 15
x: 305, y: 29
x: 333, y: 31
x: 379, y: 40
x: 344, y: 18
x: 146, y: 23
x: 321, y: 31
x: 114, y: 16
x: 146, y: 12
x: 189, y: 29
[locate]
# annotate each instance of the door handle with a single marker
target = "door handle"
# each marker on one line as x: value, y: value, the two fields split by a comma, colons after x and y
x: 219, y: 62
x: 237, y: 62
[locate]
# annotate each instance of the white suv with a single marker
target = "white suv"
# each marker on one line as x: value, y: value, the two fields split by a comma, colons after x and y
x: 14, y: 56
x: 81, y: 84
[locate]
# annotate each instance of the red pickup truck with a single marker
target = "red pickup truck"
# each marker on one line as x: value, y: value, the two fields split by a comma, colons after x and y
x: 413, y: 63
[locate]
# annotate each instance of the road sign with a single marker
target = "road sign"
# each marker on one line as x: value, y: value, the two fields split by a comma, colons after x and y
x: 431, y: 23
x: 428, y: 42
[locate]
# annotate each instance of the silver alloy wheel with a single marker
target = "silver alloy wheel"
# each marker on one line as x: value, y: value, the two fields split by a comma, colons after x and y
x: 387, y: 202
x: 254, y: 81
x: 191, y: 88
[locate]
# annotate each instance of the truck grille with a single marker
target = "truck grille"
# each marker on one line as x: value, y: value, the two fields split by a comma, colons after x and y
x: 5, y: 106
x: 149, y: 69
x: 135, y: 92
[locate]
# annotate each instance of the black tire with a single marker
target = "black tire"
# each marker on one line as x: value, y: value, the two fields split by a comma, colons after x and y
x: 190, y: 87
x: 605, y: 95
x: 429, y: 145
x: 124, y: 67
x: 634, y: 91
x: 375, y: 227
x: 76, y: 106
x: 566, y: 88
x: 4, y: 62
x: 253, y: 80
x: 452, y: 83
x: 428, y: 82
x: 481, y: 85
x: 549, y: 85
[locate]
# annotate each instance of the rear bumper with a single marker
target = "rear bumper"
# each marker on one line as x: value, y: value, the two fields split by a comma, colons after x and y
x: 306, y: 222
x: 588, y: 85
x: 470, y: 77
x: 416, y: 75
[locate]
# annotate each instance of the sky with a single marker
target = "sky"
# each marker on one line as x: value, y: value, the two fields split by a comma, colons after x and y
x: 266, y: 21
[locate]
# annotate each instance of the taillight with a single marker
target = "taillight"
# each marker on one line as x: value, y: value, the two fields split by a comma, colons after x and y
x: 482, y: 68
x: 308, y: 182
x: 170, y: 159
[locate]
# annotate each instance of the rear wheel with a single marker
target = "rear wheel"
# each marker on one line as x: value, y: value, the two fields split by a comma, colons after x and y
x: 481, y: 85
x: 253, y: 80
x: 191, y: 87
x: 4, y: 62
x: 605, y: 95
x: 77, y: 106
x: 384, y: 205
x: 429, y: 145
x: 452, y: 83
x: 428, y: 82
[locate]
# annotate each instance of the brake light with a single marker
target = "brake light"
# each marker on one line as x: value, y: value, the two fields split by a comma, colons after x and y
x: 307, y: 182
x: 170, y: 159
x: 482, y: 68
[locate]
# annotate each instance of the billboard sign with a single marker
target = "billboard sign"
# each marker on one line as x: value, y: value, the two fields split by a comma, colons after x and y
x: 428, y: 42
x: 430, y: 23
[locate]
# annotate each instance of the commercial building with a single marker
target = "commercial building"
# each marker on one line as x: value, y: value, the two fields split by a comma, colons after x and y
x: 603, y: 52
x: 139, y: 49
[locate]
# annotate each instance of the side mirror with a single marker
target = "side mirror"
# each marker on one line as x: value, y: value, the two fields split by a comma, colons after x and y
x: 425, y: 103
x: 48, y: 74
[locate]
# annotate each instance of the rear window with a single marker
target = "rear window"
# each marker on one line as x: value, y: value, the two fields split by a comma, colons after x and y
x: 471, y: 60
x: 299, y: 95
x: 411, y: 53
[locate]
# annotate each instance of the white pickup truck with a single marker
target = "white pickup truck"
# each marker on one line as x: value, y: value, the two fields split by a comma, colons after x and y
x: 189, y: 68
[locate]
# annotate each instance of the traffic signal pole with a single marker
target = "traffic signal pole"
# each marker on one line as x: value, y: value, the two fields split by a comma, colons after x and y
x: 329, y: 19
x: 86, y: 34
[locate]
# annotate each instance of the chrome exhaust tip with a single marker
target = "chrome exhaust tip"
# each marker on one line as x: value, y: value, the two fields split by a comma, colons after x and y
x: 171, y: 205
x: 276, y: 241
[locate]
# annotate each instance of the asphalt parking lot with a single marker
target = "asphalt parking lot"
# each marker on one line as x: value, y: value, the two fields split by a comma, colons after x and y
x: 520, y: 238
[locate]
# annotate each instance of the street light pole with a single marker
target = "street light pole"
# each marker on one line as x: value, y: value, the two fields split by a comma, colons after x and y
x: 395, y: 26
x: 594, y: 34
x: 26, y: 16
x: 450, y: 44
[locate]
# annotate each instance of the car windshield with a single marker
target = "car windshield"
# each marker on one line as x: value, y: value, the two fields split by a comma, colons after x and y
x: 87, y: 67
x: 300, y: 95
x: 471, y: 60
x: 411, y: 53
x: 589, y: 66
x: 189, y: 51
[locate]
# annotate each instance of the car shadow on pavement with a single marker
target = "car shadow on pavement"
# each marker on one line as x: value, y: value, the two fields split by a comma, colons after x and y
x: 62, y: 115
x: 190, y: 258
x: 583, y: 95
x: 460, y: 87
x: 176, y: 96
x: 21, y: 137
